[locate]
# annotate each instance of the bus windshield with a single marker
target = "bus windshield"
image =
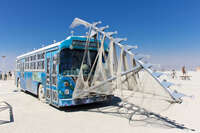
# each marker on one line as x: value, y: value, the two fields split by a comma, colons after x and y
x: 70, y: 61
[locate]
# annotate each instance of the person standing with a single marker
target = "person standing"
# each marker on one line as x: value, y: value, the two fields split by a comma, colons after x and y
x: 183, y: 71
x: 173, y: 73
x: 5, y: 76
x: 10, y: 74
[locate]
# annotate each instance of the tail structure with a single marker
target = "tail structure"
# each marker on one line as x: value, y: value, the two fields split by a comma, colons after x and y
x: 121, y: 71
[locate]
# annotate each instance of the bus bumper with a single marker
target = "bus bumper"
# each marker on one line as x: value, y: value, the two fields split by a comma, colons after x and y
x: 74, y: 102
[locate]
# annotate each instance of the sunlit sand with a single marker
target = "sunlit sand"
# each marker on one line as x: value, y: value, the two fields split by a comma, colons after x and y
x: 30, y: 115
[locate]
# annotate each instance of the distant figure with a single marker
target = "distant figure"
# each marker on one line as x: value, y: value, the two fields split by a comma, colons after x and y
x: 183, y: 71
x: 173, y: 73
x: 1, y: 76
x: 5, y: 76
x: 10, y: 74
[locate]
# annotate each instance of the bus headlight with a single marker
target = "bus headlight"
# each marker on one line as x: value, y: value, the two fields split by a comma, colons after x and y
x: 66, y: 84
x: 66, y: 92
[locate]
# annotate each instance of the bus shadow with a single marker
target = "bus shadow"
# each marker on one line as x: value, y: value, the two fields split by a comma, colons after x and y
x: 5, y: 106
x: 136, y: 115
x: 31, y: 94
x: 88, y: 107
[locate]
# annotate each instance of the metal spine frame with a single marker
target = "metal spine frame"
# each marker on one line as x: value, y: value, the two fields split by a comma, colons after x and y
x: 174, y: 94
x: 135, y: 70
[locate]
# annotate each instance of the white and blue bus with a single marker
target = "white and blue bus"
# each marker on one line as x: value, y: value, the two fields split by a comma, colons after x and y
x: 51, y: 72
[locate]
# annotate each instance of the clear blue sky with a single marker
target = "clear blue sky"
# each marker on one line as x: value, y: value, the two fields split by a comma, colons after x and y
x: 168, y: 30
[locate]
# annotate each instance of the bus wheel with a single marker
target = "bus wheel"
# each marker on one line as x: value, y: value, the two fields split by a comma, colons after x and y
x: 41, y: 93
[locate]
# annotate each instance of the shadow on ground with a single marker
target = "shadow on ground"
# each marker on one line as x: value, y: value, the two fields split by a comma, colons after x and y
x: 3, y: 107
x: 136, y: 115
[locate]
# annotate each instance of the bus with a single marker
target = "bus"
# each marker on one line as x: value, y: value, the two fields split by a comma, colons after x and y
x: 51, y: 72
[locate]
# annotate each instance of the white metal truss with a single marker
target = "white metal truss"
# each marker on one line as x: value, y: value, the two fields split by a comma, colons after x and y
x: 140, y: 65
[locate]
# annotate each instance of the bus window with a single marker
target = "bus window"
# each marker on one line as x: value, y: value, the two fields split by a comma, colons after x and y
x: 48, y: 65
x: 33, y: 65
x: 26, y: 66
x: 70, y: 61
x: 54, y: 64
x: 48, y: 72
x: 40, y: 65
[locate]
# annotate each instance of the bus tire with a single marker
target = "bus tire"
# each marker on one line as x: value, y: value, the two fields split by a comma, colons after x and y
x: 41, y: 93
x: 18, y: 84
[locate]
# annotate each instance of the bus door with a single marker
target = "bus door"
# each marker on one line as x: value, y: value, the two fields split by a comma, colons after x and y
x: 51, y: 78
x: 22, y: 80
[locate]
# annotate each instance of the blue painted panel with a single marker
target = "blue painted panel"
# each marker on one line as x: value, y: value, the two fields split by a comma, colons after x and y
x: 62, y: 88
x: 28, y: 80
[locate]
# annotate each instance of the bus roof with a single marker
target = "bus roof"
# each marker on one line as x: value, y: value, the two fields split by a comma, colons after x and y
x: 45, y: 48
x: 40, y: 50
x: 50, y: 46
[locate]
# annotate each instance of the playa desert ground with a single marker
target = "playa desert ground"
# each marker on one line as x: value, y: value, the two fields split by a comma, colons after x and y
x: 32, y: 116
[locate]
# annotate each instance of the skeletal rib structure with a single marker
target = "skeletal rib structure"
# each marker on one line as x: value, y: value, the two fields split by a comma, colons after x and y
x: 119, y: 71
